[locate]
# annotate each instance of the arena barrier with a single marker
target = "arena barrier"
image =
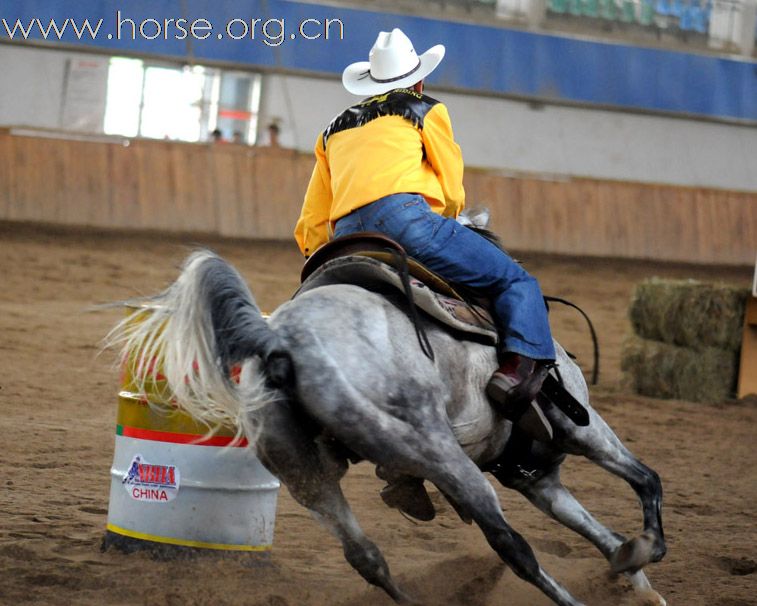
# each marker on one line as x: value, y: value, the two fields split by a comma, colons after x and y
x: 174, y: 488
x: 257, y: 192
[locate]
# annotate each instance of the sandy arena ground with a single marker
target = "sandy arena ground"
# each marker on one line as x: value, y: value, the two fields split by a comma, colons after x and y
x: 58, y: 406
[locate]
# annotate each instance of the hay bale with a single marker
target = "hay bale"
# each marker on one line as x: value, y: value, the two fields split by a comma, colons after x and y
x: 666, y: 371
x: 689, y: 313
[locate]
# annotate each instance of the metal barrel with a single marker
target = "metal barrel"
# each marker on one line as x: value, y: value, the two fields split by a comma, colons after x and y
x: 175, y: 489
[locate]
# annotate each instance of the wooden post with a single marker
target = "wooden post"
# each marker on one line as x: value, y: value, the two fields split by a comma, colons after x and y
x: 748, y: 365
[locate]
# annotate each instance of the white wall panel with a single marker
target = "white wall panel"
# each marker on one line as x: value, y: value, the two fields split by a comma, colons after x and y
x: 517, y: 136
x: 494, y: 132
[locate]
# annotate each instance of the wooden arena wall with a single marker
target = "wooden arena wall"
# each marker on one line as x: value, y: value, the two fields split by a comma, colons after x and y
x: 254, y: 192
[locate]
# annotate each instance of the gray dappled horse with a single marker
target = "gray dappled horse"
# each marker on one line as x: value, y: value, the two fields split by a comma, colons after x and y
x: 336, y: 374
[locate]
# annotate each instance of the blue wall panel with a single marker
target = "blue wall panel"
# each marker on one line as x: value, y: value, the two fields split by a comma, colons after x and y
x: 479, y: 58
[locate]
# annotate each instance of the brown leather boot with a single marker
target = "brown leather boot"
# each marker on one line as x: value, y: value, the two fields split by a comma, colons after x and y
x: 514, y: 387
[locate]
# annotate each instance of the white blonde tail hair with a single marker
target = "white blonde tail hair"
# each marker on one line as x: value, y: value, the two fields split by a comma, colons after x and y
x: 175, y: 335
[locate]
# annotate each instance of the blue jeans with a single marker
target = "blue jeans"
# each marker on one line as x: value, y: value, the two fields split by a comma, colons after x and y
x: 460, y: 255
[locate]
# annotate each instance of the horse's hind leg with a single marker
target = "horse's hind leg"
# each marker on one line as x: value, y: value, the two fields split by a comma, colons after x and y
x: 422, y: 445
x: 598, y: 443
x: 549, y: 495
x: 311, y: 471
x: 457, y: 476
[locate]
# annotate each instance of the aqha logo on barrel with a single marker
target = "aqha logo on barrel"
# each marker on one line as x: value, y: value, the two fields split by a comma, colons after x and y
x: 151, y: 482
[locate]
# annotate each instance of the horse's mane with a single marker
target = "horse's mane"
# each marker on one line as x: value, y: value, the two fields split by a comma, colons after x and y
x: 478, y: 221
x: 489, y: 235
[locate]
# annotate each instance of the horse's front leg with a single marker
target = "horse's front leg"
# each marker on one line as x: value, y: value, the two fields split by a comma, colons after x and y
x: 549, y: 495
x: 598, y: 443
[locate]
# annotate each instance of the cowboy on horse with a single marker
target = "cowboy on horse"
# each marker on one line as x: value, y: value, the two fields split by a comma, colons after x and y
x: 390, y: 164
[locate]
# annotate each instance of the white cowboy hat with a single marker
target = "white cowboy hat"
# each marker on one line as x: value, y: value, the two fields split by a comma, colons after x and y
x: 392, y: 63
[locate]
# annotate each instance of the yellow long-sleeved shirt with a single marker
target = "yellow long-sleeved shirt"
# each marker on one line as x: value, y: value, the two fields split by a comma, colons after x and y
x: 394, y: 143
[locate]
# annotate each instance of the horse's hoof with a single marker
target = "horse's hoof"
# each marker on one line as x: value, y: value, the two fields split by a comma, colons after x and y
x: 649, y: 597
x: 634, y: 554
x: 409, y: 496
x: 400, y: 597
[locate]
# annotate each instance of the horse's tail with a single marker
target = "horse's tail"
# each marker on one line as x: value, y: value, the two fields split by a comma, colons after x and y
x: 193, y: 334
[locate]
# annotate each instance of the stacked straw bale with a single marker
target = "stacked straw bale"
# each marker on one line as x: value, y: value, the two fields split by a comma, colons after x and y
x: 686, y: 340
